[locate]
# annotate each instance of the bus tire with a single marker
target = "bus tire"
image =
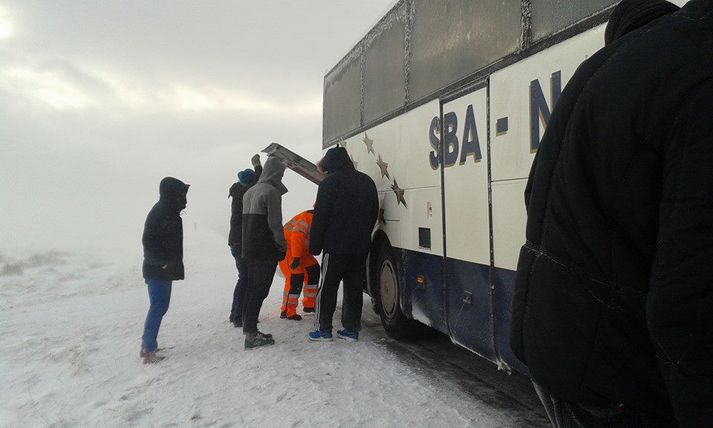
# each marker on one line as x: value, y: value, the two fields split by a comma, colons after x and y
x: 393, y: 319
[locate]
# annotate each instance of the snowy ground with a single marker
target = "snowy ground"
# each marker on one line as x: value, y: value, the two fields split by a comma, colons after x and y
x: 70, y: 336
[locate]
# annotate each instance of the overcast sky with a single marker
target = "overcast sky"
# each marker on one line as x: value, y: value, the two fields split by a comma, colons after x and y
x: 101, y: 99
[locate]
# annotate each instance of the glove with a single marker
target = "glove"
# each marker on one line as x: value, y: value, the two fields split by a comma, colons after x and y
x: 255, y: 160
x: 295, y: 263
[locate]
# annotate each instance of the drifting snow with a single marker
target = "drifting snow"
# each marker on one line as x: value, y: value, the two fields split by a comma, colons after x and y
x: 70, y: 338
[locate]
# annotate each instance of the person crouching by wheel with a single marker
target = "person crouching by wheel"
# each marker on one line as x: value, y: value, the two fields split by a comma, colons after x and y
x: 299, y: 267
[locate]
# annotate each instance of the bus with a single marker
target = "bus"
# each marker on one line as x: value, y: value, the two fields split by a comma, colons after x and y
x: 443, y: 103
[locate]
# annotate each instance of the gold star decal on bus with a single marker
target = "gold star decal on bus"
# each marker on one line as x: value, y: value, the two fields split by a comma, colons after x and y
x: 383, y: 166
x: 399, y: 193
x: 369, y: 144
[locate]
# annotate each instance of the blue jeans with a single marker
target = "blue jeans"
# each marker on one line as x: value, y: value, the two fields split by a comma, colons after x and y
x: 159, y: 298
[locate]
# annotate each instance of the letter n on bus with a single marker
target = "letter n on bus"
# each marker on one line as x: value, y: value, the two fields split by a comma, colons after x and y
x: 539, y: 110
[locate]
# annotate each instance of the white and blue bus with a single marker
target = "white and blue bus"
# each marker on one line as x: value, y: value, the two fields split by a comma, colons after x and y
x: 443, y: 103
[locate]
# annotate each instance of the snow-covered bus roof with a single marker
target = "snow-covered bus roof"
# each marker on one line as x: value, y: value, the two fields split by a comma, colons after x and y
x: 420, y: 48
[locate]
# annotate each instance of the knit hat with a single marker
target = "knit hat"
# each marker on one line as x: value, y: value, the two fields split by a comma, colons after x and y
x: 632, y: 14
x: 246, y: 176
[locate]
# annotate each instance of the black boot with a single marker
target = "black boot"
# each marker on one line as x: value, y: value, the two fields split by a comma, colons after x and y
x: 254, y: 340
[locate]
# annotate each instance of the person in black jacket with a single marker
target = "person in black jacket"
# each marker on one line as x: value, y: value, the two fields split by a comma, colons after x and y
x: 345, y: 213
x: 246, y: 179
x: 613, y: 308
x: 163, y: 258
x: 263, y: 245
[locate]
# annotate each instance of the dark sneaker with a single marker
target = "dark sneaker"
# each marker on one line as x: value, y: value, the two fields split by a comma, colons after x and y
x: 283, y: 315
x: 348, y: 335
x: 295, y: 317
x: 319, y: 336
x: 308, y: 310
x: 256, y: 340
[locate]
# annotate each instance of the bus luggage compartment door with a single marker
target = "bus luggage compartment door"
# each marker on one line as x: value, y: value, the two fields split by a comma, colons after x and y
x: 464, y: 159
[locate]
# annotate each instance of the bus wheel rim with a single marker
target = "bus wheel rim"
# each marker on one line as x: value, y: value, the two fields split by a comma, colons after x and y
x: 388, y: 290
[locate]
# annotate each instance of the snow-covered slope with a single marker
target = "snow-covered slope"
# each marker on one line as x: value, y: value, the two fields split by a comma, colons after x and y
x: 70, y: 337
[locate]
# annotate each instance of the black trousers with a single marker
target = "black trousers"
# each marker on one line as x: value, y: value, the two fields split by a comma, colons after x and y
x: 350, y: 268
x: 236, y: 310
x: 259, y: 280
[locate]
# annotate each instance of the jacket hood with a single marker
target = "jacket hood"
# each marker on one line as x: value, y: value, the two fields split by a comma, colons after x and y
x: 697, y: 9
x: 632, y: 14
x: 336, y: 159
x: 272, y: 174
x: 173, y: 192
x: 233, y: 191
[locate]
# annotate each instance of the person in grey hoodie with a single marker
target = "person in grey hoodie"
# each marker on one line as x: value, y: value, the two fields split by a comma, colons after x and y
x: 263, y: 245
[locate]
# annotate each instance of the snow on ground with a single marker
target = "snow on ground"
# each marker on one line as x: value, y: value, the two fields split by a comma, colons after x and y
x: 70, y: 336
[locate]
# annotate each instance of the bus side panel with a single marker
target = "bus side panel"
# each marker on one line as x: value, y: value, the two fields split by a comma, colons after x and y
x: 522, y: 97
x: 470, y: 314
x: 424, y: 303
x: 509, y: 218
x: 397, y: 156
x: 467, y: 227
x: 503, y: 307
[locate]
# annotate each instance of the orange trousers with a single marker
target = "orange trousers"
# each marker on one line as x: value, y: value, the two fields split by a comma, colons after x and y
x: 294, y: 280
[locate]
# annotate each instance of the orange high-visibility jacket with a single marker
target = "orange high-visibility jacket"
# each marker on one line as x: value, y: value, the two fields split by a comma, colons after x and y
x: 297, y: 236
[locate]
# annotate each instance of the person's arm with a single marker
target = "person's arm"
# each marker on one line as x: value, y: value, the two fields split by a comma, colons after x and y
x: 374, y: 203
x: 680, y: 301
x: 153, y: 239
x: 322, y: 211
x: 297, y: 247
x: 274, y: 221
x: 236, y: 219
x: 257, y: 166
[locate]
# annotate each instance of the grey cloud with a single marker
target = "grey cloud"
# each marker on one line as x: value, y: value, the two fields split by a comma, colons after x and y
x: 89, y: 174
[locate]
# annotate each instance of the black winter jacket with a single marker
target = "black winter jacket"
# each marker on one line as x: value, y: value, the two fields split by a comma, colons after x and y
x: 163, y: 233
x: 614, y: 292
x: 263, y: 236
x: 237, y: 191
x: 346, y: 209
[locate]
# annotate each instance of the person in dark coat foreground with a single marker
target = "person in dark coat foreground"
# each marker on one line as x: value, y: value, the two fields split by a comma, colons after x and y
x: 345, y: 213
x: 246, y: 179
x: 163, y: 258
x: 263, y: 245
x: 613, y: 309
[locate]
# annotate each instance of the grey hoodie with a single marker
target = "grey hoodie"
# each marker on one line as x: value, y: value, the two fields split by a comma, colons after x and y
x: 263, y: 237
